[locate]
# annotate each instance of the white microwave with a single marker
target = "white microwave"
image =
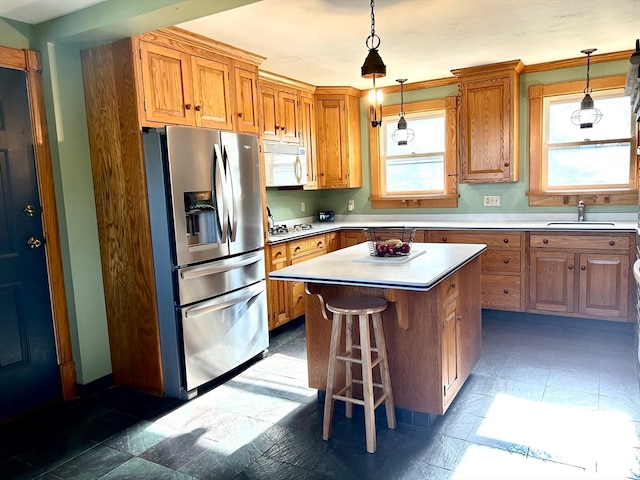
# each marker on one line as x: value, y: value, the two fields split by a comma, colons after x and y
x: 285, y: 165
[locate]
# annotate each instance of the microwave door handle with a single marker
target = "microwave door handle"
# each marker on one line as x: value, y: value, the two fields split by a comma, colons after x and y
x: 220, y: 184
x: 231, y: 197
x: 297, y: 168
x: 225, y: 302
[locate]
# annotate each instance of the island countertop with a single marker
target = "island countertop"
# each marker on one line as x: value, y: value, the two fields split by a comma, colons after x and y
x: 427, y: 265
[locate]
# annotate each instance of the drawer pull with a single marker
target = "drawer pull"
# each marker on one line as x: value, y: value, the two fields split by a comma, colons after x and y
x: 506, y: 260
x: 452, y: 285
x: 319, y: 244
x: 545, y: 241
x: 506, y: 164
x: 297, y: 248
x: 583, y: 267
x: 278, y: 254
x: 506, y: 240
x: 570, y: 267
x: 612, y: 243
x: 505, y: 291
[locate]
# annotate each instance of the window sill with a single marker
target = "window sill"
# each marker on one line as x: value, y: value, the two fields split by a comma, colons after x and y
x: 612, y: 197
x: 431, y: 201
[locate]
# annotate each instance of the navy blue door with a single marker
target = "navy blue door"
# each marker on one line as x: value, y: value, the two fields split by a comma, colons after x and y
x: 28, y: 366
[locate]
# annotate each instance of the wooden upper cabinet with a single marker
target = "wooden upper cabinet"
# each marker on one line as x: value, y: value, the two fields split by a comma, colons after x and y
x: 279, y: 108
x: 212, y: 94
x: 186, y: 79
x: 166, y: 84
x: 246, y: 94
x: 308, y: 127
x: 488, y: 122
x: 338, y: 149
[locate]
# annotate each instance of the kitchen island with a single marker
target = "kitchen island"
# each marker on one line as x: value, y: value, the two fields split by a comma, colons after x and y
x: 432, y: 325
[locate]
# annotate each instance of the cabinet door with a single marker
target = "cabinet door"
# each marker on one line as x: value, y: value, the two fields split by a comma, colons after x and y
x: 268, y: 110
x: 167, y: 85
x: 331, y: 147
x: 212, y: 95
x: 308, y: 129
x: 351, y: 237
x: 450, y: 352
x: 298, y: 295
x: 288, y: 118
x: 552, y: 281
x: 333, y: 241
x: 485, y: 131
x: 246, y: 94
x: 604, y: 284
x: 278, y: 290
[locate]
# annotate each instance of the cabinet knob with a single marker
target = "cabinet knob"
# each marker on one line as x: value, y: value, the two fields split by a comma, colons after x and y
x: 452, y: 285
x: 570, y: 267
x: 612, y: 243
x: 459, y: 318
x: 444, y: 239
x: 198, y: 108
x: 545, y: 241
x: 506, y: 164
x: 506, y: 260
x: 240, y: 114
x: 583, y: 267
x: 188, y: 106
x: 505, y: 291
x: 506, y: 240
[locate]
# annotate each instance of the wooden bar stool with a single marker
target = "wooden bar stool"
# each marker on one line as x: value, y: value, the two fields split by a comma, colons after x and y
x: 345, y: 308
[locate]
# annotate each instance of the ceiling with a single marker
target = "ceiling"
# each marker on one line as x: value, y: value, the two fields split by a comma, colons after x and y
x: 322, y: 42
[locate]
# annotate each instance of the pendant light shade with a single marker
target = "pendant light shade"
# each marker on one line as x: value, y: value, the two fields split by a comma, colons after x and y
x: 373, y: 67
x: 588, y: 115
x: 403, y: 133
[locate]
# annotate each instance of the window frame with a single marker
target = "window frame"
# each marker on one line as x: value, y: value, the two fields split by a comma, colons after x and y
x: 537, y: 194
x: 448, y: 199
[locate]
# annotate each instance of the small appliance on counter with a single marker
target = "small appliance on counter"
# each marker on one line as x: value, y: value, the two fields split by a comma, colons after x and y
x: 326, y: 216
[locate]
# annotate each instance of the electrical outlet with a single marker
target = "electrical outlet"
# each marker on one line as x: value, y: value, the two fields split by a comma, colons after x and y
x: 351, y: 205
x: 492, y: 200
x: 302, y: 206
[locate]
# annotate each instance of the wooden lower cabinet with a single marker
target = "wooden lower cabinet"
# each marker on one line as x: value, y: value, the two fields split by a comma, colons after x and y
x: 352, y: 236
x: 287, y: 299
x: 503, y: 280
x: 584, y: 275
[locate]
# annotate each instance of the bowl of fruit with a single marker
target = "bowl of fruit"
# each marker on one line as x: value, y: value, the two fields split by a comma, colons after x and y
x: 389, y: 241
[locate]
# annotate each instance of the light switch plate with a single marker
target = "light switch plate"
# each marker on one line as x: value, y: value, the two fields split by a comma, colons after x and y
x: 492, y: 200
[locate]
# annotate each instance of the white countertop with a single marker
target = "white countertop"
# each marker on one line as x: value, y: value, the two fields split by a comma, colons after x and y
x: 537, y: 222
x: 345, y: 267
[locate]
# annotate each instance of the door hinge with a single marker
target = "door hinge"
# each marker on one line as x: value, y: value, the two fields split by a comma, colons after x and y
x: 140, y: 53
x: 444, y: 390
x: 443, y: 322
x: 144, y: 105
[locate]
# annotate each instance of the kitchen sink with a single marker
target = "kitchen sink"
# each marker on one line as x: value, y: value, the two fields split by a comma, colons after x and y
x: 577, y: 224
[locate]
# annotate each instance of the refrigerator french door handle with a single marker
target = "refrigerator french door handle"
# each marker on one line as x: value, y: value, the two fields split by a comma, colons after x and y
x: 297, y: 166
x: 225, y: 302
x: 221, y: 266
x: 231, y: 200
x: 220, y: 177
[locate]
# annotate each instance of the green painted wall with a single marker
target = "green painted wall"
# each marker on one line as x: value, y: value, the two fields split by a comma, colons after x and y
x: 513, y: 195
x: 15, y: 34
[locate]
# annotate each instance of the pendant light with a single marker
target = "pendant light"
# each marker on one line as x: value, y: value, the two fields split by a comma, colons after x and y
x: 403, y: 134
x: 588, y: 114
x: 373, y: 67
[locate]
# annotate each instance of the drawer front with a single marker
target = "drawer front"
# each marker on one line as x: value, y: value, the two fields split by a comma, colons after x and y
x: 492, y: 240
x: 449, y: 289
x: 278, y: 253
x: 304, y: 246
x: 501, y: 291
x: 580, y: 242
x: 307, y: 256
x: 501, y: 261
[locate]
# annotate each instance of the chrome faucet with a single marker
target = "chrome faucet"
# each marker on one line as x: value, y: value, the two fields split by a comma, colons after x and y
x: 580, y: 211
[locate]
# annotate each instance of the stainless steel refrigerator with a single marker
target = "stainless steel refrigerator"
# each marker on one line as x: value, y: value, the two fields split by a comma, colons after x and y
x: 208, y: 249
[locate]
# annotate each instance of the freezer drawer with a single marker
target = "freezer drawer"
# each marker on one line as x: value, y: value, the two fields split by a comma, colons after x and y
x: 211, y: 279
x: 223, y: 333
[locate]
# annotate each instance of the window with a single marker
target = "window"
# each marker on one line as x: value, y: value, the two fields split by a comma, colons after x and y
x: 567, y: 163
x: 422, y: 173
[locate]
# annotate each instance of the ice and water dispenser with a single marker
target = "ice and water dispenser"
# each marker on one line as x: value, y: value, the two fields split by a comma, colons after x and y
x: 200, y: 213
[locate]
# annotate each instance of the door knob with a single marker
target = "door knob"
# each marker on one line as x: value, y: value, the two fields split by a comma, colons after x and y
x: 29, y: 210
x: 34, y: 243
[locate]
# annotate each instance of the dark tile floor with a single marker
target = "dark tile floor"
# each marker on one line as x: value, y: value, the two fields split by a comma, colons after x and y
x: 553, y: 400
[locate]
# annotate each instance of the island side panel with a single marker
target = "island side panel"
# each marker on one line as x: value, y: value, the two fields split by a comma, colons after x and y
x: 415, y: 353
